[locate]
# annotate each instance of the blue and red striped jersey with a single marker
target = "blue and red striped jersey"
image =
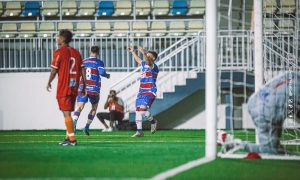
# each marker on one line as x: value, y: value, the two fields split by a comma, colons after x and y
x: 94, y: 70
x: 148, y: 79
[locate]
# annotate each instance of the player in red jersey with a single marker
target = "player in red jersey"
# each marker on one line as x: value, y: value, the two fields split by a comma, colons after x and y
x: 67, y: 63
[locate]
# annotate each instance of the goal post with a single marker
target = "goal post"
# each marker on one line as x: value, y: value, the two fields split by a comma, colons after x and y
x: 211, y: 78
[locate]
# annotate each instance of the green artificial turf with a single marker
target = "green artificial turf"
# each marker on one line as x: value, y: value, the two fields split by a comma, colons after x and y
x: 36, y: 154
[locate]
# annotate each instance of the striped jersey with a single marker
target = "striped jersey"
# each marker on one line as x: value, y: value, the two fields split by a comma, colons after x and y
x: 94, y: 70
x: 148, y: 79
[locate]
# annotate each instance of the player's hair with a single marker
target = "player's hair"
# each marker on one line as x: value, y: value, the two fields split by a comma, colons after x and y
x: 153, y: 53
x: 112, y: 91
x: 67, y: 34
x: 95, y: 49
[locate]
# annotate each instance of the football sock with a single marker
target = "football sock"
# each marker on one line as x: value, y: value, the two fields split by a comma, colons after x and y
x: 70, y: 128
x: 139, y: 120
x: 148, y: 116
x: 76, y: 115
x: 139, y: 127
x: 90, y: 120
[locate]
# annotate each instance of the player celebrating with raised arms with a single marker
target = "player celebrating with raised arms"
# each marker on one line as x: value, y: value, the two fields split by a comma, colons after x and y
x: 67, y: 64
x: 147, y: 91
x: 94, y: 70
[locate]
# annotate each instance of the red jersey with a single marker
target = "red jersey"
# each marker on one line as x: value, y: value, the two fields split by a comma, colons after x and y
x: 68, y: 62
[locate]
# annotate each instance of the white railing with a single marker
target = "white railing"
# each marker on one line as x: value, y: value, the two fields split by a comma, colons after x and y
x: 174, y: 71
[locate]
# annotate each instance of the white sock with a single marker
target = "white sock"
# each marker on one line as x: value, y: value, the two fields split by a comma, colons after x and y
x: 89, y: 121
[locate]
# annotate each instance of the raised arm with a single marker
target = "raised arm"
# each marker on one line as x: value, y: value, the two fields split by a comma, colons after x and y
x: 135, y: 56
x: 144, y: 53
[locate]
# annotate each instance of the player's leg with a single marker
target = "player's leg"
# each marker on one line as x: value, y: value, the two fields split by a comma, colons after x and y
x: 149, y: 100
x: 140, y: 111
x: 118, y: 118
x: 66, y: 105
x: 81, y: 101
x: 102, y: 117
x: 94, y: 101
x: 80, y: 106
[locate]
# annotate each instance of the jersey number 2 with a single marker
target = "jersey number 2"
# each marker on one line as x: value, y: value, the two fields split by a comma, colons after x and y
x: 72, y: 66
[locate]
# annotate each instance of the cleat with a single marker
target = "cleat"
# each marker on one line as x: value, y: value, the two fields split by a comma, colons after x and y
x: 153, y: 127
x: 64, y: 142
x: 70, y: 143
x: 138, y: 134
x: 86, y: 131
x: 232, y: 146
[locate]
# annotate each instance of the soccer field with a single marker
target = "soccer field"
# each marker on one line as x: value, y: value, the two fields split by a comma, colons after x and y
x: 36, y: 154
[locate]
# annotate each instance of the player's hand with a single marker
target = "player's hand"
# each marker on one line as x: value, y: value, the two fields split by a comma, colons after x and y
x: 107, y: 76
x: 49, y: 87
x: 141, y: 49
x: 110, y: 99
x: 130, y: 49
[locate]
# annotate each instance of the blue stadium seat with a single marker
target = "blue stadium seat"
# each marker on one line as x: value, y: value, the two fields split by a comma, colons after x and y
x: 31, y: 8
x: 179, y: 7
x: 106, y: 8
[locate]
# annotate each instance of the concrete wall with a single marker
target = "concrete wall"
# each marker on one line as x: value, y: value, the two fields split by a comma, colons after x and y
x: 25, y: 104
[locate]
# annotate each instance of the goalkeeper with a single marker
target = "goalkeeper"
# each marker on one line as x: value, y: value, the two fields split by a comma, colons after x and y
x: 277, y: 100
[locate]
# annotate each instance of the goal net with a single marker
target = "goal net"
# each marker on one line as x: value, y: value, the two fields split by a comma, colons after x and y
x: 236, y: 84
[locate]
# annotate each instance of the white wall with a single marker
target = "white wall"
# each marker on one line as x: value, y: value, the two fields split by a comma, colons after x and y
x: 199, y: 120
x: 25, y: 103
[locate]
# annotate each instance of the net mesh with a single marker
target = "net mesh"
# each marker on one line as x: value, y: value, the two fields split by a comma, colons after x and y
x: 281, y: 55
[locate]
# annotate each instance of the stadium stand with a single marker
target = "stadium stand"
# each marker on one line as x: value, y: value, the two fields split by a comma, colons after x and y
x: 102, y: 29
x: 270, y: 6
x: 160, y: 8
x: 105, y: 8
x: 13, y: 9
x: 86, y: 8
x: 143, y: 7
x: 65, y: 25
x: 179, y: 7
x: 287, y: 25
x: 287, y: 7
x: 195, y: 26
x: 1, y: 8
x: 69, y: 7
x: 31, y: 8
x: 197, y: 7
x: 269, y: 26
x: 9, y: 29
x: 50, y: 8
x: 46, y: 29
x: 121, y: 28
x: 159, y: 28
x: 123, y: 8
x: 178, y: 27
x: 140, y: 27
x: 83, y: 29
x: 27, y: 27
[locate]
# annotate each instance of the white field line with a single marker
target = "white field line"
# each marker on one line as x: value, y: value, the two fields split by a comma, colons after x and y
x: 174, y: 171
x: 105, y: 141
x: 263, y: 156
x: 96, y: 135
x: 81, y: 178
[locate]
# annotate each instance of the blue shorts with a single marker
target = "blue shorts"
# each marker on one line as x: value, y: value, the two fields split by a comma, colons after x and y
x: 91, y: 98
x: 144, y: 100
